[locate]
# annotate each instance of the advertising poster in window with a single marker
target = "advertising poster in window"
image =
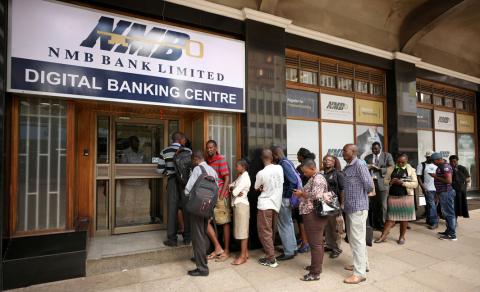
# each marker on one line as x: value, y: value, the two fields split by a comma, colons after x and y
x: 424, y: 118
x: 338, y: 108
x: 425, y: 143
x: 302, y: 134
x: 334, y: 137
x: 465, y: 123
x: 445, y: 143
x: 366, y: 136
x: 466, y: 155
x: 368, y: 111
x: 444, y: 121
x: 302, y: 103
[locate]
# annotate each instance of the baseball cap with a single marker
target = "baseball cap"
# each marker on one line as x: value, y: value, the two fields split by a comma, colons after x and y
x: 436, y: 156
x: 428, y: 153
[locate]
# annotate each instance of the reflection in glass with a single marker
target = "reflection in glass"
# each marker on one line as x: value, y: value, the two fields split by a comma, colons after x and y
x: 376, y: 89
x: 448, y: 102
x: 292, y: 74
x: 308, y: 77
x: 459, y: 104
x: 345, y: 83
x: 438, y: 100
x: 466, y: 155
x: 328, y: 81
x: 361, y: 86
x: 103, y: 127
x: 137, y: 144
x: 425, y: 98
x: 102, y: 205
x: 138, y: 202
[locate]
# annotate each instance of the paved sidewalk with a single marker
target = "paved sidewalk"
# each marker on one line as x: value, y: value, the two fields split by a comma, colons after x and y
x: 424, y: 263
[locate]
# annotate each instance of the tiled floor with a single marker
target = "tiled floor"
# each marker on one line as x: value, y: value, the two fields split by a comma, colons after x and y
x: 424, y: 263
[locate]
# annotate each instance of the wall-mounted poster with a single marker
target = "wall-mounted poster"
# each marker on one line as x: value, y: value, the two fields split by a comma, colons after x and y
x: 334, y: 137
x: 465, y: 123
x: 338, y: 108
x: 445, y: 143
x: 466, y: 155
x: 425, y: 143
x: 366, y: 135
x: 302, y: 103
x: 302, y: 134
x: 424, y: 118
x: 444, y: 120
x: 368, y: 111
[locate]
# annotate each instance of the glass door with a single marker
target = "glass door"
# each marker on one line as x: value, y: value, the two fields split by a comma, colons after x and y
x: 130, y: 193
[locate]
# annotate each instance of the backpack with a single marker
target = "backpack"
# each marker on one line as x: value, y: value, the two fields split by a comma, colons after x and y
x: 183, y: 165
x: 203, y: 196
x: 294, y: 201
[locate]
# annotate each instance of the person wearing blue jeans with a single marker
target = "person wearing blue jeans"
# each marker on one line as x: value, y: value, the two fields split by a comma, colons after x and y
x: 443, y: 185
x: 285, y: 222
x: 432, y: 215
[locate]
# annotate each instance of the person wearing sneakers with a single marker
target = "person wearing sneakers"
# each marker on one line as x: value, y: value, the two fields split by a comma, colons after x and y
x: 425, y: 180
x: 269, y: 181
x: 443, y: 186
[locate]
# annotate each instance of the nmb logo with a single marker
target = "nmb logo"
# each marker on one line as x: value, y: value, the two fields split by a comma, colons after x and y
x: 133, y: 38
x: 335, y: 105
x: 444, y: 120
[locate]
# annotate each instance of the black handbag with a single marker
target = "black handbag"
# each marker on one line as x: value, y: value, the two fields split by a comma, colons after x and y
x: 323, y: 208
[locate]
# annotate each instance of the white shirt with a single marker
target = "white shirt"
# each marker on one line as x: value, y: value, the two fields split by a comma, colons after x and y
x: 271, y: 178
x: 241, y: 185
x: 428, y: 181
x: 196, y: 173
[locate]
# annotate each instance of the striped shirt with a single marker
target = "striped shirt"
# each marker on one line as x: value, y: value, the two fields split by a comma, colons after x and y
x: 442, y: 171
x: 220, y: 165
x: 358, y: 183
x: 166, y: 164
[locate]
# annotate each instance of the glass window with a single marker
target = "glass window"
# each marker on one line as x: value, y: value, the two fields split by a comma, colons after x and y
x: 424, y: 118
x: 438, y: 100
x: 292, y: 74
x: 459, y: 104
x: 42, y: 193
x: 361, y: 86
x: 345, y: 83
x: 302, y: 103
x: 223, y: 129
x: 466, y: 155
x: 103, y: 128
x: 448, y: 102
x: 137, y: 143
x: 425, y: 98
x: 376, y: 89
x: 308, y: 77
x: 102, y: 205
x: 328, y: 81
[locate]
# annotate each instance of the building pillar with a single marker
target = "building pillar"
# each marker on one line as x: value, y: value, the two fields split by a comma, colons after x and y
x: 264, y: 124
x: 3, y: 69
x: 402, y: 110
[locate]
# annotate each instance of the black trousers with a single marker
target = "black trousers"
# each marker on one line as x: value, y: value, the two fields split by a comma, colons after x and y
x: 375, y: 210
x: 176, y: 199
x: 199, y: 241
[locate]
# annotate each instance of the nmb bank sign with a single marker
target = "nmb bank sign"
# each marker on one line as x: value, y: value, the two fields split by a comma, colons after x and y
x: 60, y: 49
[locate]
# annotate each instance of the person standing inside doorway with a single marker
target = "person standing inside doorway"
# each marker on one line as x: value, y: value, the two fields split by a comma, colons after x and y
x: 199, y: 224
x: 425, y: 180
x: 285, y: 222
x: 443, y: 186
x: 358, y: 183
x: 175, y: 190
x: 378, y: 162
x: 460, y: 182
x: 222, y: 213
x: 269, y: 181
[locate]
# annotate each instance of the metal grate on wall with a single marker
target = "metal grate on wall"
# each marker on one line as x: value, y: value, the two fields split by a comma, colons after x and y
x: 41, y: 197
x: 223, y: 129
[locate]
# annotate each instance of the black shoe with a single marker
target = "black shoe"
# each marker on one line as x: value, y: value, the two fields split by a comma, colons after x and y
x: 448, y: 237
x: 197, y: 273
x: 335, y: 253
x: 327, y: 249
x: 284, y: 257
x: 192, y: 259
x: 170, y: 243
x: 442, y: 233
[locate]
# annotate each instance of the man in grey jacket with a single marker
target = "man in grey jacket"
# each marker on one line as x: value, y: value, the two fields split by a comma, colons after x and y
x: 378, y: 162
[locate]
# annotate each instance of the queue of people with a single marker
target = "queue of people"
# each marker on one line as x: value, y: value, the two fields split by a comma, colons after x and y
x: 287, y: 195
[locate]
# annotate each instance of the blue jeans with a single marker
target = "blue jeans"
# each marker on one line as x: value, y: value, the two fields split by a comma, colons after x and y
x: 447, y: 202
x: 285, y: 228
x: 432, y: 217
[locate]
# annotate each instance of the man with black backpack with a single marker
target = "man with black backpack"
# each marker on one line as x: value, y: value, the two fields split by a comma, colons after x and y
x: 176, y: 163
x: 202, y: 189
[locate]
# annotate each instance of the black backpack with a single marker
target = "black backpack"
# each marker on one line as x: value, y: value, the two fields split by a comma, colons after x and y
x: 203, y: 196
x: 183, y: 165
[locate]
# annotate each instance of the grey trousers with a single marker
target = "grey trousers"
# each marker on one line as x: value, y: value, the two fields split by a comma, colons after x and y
x: 199, y: 241
x: 176, y: 199
x: 356, y: 231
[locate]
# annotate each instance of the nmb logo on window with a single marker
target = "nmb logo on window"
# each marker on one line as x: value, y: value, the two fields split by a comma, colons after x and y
x: 134, y: 38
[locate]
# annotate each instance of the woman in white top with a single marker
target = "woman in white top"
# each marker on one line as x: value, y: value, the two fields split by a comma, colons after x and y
x: 241, y: 209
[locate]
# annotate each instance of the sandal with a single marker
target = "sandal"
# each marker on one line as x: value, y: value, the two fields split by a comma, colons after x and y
x: 214, y: 255
x: 221, y: 257
x: 310, y: 277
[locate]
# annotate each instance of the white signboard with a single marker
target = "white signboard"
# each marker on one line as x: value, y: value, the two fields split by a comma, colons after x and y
x: 334, y: 137
x: 445, y: 143
x: 62, y: 49
x: 425, y: 143
x: 302, y: 134
x: 338, y: 108
x: 444, y: 121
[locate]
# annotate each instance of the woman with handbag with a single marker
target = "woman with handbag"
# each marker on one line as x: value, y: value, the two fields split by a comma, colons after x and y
x: 400, y: 205
x: 315, y: 190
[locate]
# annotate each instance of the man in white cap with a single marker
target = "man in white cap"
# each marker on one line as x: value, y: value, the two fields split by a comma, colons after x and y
x: 426, y: 183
